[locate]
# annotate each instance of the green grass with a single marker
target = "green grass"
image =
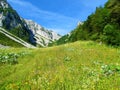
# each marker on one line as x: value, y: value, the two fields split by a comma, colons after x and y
x: 76, y: 66
x: 4, y: 40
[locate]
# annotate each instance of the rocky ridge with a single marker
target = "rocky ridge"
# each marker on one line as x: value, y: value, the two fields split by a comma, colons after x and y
x: 42, y: 35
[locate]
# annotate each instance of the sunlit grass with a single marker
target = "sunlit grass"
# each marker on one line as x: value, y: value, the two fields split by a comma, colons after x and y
x: 75, y: 66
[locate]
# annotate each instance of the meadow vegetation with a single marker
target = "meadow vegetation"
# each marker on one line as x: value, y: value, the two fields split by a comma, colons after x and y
x: 75, y: 66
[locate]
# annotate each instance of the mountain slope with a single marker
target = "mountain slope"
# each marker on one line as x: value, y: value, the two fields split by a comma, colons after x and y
x: 7, y: 42
x: 102, y: 26
x: 13, y: 38
x: 11, y: 21
x: 27, y: 30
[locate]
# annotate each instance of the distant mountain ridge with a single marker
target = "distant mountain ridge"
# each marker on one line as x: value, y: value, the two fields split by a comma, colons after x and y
x: 42, y: 35
x: 27, y: 30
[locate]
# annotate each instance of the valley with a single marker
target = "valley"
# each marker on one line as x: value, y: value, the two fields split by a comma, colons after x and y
x: 80, y: 65
x: 33, y: 57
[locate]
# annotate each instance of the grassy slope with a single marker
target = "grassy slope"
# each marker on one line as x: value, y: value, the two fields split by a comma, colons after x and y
x: 4, y: 40
x: 76, y: 66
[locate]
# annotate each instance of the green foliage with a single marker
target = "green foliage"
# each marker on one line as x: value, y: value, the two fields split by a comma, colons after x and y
x: 111, y: 35
x: 115, y: 15
x: 4, y: 40
x: 103, y: 25
x: 10, y: 58
x: 78, y: 34
x: 18, y: 31
x: 5, y: 10
x: 1, y: 10
x: 108, y: 70
x: 14, y: 24
x: 112, y: 3
x: 62, y: 40
x: 8, y: 10
x: 95, y: 23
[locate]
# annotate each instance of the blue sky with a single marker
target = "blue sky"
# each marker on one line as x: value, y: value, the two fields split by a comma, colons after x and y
x: 60, y: 16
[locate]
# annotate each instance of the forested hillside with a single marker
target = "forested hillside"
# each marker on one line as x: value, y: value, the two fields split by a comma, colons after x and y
x: 103, y: 26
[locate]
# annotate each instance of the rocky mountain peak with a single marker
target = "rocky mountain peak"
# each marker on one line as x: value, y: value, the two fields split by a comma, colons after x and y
x: 4, y: 4
x: 42, y: 35
x: 79, y: 23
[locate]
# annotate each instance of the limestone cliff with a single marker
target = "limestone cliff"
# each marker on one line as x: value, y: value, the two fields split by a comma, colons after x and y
x: 42, y: 35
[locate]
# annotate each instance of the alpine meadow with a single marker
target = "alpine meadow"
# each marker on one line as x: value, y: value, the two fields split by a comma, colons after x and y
x: 33, y: 57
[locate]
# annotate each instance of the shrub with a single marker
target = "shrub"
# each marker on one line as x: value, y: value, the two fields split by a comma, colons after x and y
x: 10, y: 58
x: 111, y: 35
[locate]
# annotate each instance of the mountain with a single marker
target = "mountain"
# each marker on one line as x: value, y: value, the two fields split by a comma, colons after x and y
x: 43, y: 36
x: 102, y: 26
x: 12, y: 22
x: 27, y: 30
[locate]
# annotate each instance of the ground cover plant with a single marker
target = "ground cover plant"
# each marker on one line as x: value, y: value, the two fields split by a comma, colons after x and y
x: 76, y: 66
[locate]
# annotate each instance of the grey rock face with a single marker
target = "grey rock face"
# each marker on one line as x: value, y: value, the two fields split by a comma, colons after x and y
x: 1, y: 18
x: 4, y: 4
x: 42, y: 35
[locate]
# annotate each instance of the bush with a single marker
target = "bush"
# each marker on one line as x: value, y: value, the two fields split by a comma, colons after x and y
x: 10, y: 58
x: 111, y: 35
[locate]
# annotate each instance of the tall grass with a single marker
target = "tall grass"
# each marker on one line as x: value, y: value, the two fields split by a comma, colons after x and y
x: 75, y: 66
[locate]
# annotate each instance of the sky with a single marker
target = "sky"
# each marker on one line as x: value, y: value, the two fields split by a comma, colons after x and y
x: 61, y: 16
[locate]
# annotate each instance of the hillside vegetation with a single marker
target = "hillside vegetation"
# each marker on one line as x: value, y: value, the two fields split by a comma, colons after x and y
x: 9, y: 39
x: 102, y: 26
x: 4, y: 40
x: 76, y: 66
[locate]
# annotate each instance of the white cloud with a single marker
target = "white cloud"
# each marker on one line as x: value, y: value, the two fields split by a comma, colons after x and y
x: 59, y: 30
x: 30, y: 7
x: 60, y: 23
